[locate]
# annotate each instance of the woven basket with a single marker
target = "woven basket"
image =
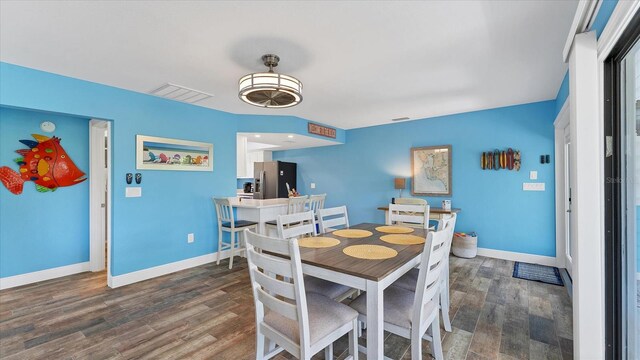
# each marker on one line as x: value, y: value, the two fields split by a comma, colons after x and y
x: 465, y: 246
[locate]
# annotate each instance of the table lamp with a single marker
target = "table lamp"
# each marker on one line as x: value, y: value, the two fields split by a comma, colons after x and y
x: 400, y: 184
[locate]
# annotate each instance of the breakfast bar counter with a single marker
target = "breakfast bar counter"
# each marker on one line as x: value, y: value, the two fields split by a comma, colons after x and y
x: 259, y: 210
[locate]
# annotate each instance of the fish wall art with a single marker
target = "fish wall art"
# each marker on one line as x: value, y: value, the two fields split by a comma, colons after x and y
x: 46, y: 163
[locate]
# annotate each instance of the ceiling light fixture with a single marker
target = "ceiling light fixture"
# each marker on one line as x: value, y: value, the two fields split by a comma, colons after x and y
x: 268, y: 89
x: 257, y: 135
x: 290, y: 136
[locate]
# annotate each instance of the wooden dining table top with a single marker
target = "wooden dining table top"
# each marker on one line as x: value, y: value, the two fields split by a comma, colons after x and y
x: 332, y: 258
x: 433, y: 210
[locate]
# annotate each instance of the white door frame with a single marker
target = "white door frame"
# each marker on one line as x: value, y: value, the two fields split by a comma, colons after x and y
x: 560, y: 125
x: 97, y: 213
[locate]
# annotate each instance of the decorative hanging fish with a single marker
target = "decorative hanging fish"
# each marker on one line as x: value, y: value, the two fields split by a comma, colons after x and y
x: 45, y: 163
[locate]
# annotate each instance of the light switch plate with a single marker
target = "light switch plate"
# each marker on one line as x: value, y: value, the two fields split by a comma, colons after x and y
x: 133, y: 191
x: 533, y: 186
x: 313, y: 185
x: 533, y: 175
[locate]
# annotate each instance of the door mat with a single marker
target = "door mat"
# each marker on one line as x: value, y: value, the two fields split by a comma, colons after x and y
x: 535, y: 272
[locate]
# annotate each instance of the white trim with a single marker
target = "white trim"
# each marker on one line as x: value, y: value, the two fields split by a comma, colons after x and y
x: 42, y: 275
x: 560, y: 125
x: 587, y: 164
x: 638, y: 276
x: 516, y: 256
x: 617, y: 24
x: 586, y: 11
x: 160, y: 270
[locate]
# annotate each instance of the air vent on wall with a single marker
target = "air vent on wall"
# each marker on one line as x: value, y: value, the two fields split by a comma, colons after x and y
x: 400, y: 119
x: 180, y: 93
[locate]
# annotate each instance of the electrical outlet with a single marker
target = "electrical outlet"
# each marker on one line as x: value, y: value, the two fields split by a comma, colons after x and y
x: 190, y: 238
x: 313, y: 185
x: 533, y: 175
x: 533, y: 186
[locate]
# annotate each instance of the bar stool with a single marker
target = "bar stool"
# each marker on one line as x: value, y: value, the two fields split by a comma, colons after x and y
x: 228, y: 223
x: 296, y: 205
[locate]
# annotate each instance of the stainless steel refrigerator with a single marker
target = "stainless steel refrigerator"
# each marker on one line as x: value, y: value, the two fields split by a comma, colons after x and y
x: 271, y: 178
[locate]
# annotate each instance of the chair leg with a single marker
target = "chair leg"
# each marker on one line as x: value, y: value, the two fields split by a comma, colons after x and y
x: 436, y: 341
x: 353, y: 339
x: 416, y: 345
x: 328, y: 352
x: 444, y: 308
x: 260, y: 350
x: 232, y: 236
x: 219, y: 245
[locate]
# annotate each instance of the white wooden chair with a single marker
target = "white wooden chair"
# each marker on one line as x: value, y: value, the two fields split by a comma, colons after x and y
x: 409, y: 280
x: 288, y: 318
x: 304, y: 225
x: 331, y: 218
x: 414, y: 215
x: 228, y: 223
x: 316, y: 202
x: 295, y: 205
x: 410, y: 314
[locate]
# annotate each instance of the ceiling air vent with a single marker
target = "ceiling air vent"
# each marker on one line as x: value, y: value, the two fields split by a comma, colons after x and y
x: 180, y: 93
x: 400, y: 119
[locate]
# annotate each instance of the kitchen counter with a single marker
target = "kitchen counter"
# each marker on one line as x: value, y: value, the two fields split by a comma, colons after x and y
x: 257, y: 203
x: 259, y: 211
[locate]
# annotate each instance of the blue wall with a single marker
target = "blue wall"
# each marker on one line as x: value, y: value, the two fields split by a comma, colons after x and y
x: 360, y: 173
x: 147, y: 231
x: 43, y: 230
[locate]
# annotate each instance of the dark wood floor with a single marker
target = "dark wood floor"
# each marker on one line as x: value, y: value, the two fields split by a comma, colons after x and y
x: 207, y: 313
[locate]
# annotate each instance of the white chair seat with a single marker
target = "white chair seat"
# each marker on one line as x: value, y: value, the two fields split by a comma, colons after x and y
x: 324, y: 287
x: 408, y: 281
x: 325, y: 316
x: 398, y: 306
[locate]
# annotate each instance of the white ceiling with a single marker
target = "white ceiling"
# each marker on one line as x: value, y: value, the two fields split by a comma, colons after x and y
x: 361, y: 63
x: 279, y: 141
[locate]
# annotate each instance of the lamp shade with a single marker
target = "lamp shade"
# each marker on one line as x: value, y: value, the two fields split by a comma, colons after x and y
x: 400, y: 183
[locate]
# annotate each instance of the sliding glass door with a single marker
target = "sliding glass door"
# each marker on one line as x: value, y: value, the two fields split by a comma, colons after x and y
x: 622, y: 197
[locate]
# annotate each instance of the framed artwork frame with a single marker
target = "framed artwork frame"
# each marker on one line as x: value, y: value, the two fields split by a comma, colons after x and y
x: 431, y: 170
x: 158, y: 153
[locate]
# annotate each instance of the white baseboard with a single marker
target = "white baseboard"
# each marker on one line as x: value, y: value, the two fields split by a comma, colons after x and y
x: 160, y: 270
x: 42, y: 275
x: 516, y: 256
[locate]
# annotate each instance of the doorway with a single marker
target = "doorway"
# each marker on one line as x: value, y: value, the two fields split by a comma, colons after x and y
x: 622, y: 194
x: 100, y: 197
x: 565, y: 241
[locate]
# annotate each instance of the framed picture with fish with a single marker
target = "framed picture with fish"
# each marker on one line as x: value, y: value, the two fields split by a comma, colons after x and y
x: 157, y: 153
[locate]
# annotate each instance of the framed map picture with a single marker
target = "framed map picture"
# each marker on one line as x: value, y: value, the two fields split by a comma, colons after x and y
x: 431, y: 170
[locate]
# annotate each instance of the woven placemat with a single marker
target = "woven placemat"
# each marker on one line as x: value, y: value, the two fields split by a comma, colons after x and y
x: 394, y: 229
x: 353, y: 233
x: 370, y: 252
x: 318, y: 242
x: 402, y: 239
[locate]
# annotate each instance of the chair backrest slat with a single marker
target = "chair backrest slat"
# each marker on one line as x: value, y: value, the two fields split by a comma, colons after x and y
x: 431, y: 267
x: 316, y: 202
x: 268, y: 273
x: 271, y: 264
x: 331, y: 217
x: 224, y: 210
x: 297, y: 204
x: 409, y: 214
x: 274, y: 304
x: 275, y: 286
x: 296, y: 225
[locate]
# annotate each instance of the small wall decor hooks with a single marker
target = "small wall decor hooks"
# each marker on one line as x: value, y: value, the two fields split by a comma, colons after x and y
x: 129, y: 178
x: 138, y: 178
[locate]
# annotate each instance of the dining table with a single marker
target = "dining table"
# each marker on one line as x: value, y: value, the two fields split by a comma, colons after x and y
x: 371, y: 276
